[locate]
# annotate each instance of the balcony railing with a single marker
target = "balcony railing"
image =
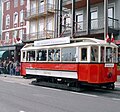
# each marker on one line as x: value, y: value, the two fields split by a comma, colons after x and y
x: 38, y: 35
x: 97, y: 26
x: 39, y: 10
x: 113, y: 23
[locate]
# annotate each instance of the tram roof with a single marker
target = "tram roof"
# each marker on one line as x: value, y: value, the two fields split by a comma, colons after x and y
x: 74, y: 42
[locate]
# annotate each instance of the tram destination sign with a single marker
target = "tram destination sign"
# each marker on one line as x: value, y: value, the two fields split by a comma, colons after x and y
x: 54, y: 41
x: 109, y: 65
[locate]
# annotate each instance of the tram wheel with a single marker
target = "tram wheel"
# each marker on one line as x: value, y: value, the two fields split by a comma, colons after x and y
x: 113, y: 86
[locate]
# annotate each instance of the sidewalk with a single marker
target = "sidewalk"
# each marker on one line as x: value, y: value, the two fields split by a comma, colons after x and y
x: 12, y: 76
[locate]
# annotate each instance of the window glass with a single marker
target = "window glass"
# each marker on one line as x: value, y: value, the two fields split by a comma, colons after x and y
x: 94, y: 19
x: 21, y: 32
x: 21, y: 16
x: 30, y: 56
x: 21, y: 2
x: 108, y: 54
x: 7, y: 5
x: 79, y: 22
x: 94, y: 53
x: 54, y: 54
x: 15, y: 18
x: 15, y: 3
x: 102, y: 54
x: 42, y: 55
x: 7, y: 37
x: 83, y: 54
x: 111, y: 17
x: 67, y: 22
x: 23, y: 56
x: 7, y: 19
x: 68, y: 54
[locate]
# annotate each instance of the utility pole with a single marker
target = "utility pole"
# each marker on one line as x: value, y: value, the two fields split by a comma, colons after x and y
x: 88, y: 17
x: 105, y: 18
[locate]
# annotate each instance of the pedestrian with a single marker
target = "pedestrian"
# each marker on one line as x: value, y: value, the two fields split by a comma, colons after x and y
x: 17, y: 69
x: 11, y: 68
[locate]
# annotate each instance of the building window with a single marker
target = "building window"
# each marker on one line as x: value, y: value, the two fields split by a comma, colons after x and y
x: 15, y: 3
x: 21, y: 16
x: 7, y: 5
x: 15, y: 17
x: 21, y: 32
x: 7, y: 20
x: 21, y: 2
x: 7, y: 37
x: 111, y: 17
x: 79, y: 20
x: 94, y: 18
x: 67, y: 22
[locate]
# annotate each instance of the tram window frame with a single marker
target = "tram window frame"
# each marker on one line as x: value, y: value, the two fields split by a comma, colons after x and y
x: 30, y: 58
x: 41, y: 58
x: 83, y: 57
x: 115, y: 57
x: 23, y: 56
x: 54, y: 54
x: 102, y: 54
x: 94, y: 54
x: 68, y: 58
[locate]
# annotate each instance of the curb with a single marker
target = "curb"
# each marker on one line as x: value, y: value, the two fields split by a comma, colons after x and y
x: 12, y: 76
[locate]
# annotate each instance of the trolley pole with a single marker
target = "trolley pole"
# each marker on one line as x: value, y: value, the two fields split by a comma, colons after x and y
x: 60, y: 18
x: 105, y: 18
x: 73, y: 19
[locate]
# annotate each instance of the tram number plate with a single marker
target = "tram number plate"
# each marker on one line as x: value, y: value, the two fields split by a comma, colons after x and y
x: 109, y: 65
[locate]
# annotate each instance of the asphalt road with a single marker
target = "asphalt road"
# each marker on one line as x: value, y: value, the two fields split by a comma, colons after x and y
x: 17, y: 95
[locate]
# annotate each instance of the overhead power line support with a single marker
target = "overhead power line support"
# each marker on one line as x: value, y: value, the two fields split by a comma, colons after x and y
x: 73, y: 19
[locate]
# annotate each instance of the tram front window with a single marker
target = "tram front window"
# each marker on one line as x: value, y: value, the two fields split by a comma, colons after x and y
x: 108, y: 54
x: 94, y: 53
x: 83, y: 54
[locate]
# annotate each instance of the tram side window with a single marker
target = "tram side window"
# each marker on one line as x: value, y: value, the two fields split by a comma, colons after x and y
x: 102, y: 54
x: 54, y: 54
x: 68, y: 54
x: 42, y: 55
x: 108, y: 54
x: 30, y: 56
x: 83, y: 54
x: 94, y: 53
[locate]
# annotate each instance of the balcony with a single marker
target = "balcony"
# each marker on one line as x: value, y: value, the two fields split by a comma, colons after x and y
x: 79, y: 3
x: 40, y: 11
x: 97, y: 27
x: 38, y: 36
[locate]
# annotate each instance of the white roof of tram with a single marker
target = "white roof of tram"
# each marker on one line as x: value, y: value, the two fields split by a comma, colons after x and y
x: 74, y: 42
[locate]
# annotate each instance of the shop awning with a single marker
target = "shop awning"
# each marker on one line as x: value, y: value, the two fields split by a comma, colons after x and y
x: 1, y: 53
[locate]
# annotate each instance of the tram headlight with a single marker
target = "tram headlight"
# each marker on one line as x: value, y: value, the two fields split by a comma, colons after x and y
x: 109, y: 75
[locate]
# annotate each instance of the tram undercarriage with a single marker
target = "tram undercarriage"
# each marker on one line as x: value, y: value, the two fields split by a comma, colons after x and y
x: 70, y: 84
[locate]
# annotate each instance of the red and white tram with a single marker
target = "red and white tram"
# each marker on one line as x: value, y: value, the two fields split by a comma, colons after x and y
x: 87, y: 60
